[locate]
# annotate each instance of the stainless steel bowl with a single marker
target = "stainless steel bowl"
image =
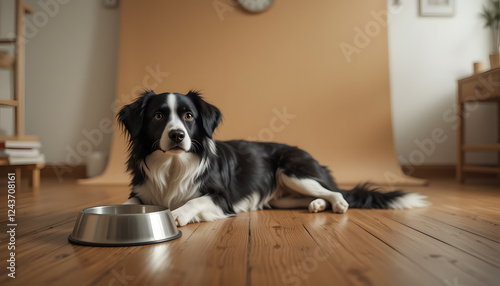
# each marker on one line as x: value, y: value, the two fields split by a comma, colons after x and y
x: 124, y: 225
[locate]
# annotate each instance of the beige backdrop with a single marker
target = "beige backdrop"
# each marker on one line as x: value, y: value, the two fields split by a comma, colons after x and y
x: 253, y: 66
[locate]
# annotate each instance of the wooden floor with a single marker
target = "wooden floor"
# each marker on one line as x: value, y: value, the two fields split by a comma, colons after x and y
x: 454, y: 242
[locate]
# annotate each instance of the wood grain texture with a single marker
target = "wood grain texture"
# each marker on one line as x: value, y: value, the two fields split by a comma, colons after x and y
x: 455, y: 239
x: 361, y: 257
x: 283, y: 252
x: 435, y: 256
x: 480, y: 247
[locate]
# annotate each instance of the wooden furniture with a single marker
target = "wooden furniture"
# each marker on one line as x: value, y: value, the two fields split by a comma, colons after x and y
x: 18, y: 102
x: 33, y: 168
x: 482, y: 87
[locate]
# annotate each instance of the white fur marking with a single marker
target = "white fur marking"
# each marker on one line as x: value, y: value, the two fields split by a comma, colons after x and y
x: 310, y: 187
x: 409, y: 201
x: 196, y: 210
x: 251, y: 203
x: 174, y: 123
x: 211, y: 146
x: 132, y: 201
x: 170, y: 179
x: 318, y: 205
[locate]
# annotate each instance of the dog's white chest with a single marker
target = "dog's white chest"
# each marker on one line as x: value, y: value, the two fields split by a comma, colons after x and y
x: 170, y: 181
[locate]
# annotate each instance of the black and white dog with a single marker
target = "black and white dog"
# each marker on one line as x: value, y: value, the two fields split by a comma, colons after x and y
x: 176, y: 163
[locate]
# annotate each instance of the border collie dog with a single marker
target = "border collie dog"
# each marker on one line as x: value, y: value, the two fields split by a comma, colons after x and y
x: 175, y: 162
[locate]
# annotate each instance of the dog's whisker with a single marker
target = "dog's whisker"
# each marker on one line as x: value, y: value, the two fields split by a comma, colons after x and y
x: 156, y: 145
x: 196, y: 145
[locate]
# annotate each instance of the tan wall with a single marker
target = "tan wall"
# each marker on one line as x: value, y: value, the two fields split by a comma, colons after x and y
x: 250, y: 64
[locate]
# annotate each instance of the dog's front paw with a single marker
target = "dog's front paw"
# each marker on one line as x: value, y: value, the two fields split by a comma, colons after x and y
x: 180, y: 218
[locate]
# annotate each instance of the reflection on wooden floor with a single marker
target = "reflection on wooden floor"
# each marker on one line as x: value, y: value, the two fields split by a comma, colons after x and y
x: 456, y: 241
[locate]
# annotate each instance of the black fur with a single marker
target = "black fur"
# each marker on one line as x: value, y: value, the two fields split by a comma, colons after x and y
x: 240, y: 168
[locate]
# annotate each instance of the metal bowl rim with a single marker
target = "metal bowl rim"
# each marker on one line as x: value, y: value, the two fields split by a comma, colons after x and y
x: 123, y: 244
x: 133, y: 214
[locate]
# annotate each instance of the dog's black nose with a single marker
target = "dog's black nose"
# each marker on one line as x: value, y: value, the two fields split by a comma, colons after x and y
x: 176, y: 135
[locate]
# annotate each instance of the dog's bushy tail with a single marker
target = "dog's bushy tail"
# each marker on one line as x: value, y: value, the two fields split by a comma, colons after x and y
x: 366, y: 196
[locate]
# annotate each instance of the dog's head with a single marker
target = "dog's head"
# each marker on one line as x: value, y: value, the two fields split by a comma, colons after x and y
x: 171, y: 122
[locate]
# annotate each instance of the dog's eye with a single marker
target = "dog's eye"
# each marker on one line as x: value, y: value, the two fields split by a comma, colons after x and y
x: 158, y: 116
x: 188, y: 116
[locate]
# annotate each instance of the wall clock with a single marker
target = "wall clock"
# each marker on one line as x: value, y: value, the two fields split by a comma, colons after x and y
x: 256, y: 6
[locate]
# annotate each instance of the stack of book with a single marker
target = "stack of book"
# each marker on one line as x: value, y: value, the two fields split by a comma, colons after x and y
x: 21, y: 152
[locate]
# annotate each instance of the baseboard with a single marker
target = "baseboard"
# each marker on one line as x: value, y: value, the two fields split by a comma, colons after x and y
x: 439, y: 171
x: 430, y: 171
x: 51, y: 172
x: 64, y: 172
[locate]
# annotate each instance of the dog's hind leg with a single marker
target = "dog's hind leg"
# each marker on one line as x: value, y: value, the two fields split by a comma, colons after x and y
x: 312, y: 188
x: 290, y: 202
x: 314, y: 205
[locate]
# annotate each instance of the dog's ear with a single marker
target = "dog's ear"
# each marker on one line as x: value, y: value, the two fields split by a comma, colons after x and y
x: 211, y: 116
x: 131, y: 116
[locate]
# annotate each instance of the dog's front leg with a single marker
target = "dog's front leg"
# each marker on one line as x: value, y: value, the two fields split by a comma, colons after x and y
x: 196, y: 210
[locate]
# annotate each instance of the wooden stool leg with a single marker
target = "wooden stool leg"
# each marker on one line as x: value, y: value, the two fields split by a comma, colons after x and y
x: 498, y: 130
x: 35, y: 178
x: 18, y: 178
x: 460, y: 142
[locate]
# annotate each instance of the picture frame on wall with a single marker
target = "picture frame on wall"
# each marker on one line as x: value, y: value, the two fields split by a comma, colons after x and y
x: 437, y: 8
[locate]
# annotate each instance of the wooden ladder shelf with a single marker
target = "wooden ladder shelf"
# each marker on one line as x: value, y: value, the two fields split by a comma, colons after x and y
x: 18, y: 102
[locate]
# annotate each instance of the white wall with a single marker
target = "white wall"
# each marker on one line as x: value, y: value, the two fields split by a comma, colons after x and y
x: 71, y: 59
x: 427, y: 56
x: 6, y: 79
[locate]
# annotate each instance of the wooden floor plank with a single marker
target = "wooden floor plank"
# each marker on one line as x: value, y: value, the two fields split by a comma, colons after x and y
x: 212, y: 253
x: 150, y: 263
x: 456, y: 239
x: 35, y: 213
x: 443, y: 260
x: 282, y: 252
x: 362, y: 258
x: 483, y: 228
x: 477, y: 246
x: 44, y: 223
